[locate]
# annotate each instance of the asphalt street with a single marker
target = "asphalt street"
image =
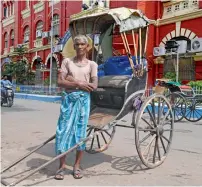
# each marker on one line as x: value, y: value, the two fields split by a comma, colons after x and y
x: 29, y: 123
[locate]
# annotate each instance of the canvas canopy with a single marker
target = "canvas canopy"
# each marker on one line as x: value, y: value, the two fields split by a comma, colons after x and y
x: 99, y: 19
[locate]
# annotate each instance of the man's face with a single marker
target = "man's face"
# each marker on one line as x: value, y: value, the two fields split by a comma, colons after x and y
x: 81, y: 47
x: 5, y: 78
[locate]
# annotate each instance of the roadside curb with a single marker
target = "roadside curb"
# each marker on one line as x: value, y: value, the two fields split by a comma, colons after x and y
x: 44, y: 98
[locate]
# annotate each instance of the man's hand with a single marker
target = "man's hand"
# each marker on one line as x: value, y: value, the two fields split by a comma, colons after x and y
x: 85, y: 86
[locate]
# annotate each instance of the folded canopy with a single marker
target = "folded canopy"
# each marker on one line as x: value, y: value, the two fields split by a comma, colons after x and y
x: 127, y: 19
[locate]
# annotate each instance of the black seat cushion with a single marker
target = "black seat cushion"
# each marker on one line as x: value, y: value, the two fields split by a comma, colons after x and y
x: 113, y: 81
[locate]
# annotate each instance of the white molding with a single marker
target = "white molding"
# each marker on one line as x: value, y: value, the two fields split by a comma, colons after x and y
x: 177, y: 28
x: 55, y: 56
x: 192, y: 35
x: 183, y: 30
x: 187, y: 33
x: 174, y: 19
x: 173, y: 34
x: 38, y: 7
x: 8, y: 21
x: 25, y: 13
x: 168, y: 36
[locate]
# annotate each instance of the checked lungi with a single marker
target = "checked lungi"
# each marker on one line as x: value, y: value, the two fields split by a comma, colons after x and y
x: 73, y: 120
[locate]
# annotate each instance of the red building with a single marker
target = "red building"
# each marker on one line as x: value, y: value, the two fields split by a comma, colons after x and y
x: 23, y: 23
x: 28, y: 23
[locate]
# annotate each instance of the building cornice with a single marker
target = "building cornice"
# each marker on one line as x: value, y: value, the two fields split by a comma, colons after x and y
x: 29, y: 51
x: 183, y: 17
x: 25, y: 13
x: 8, y: 21
x: 40, y: 48
x: 171, y: 3
x: 38, y: 7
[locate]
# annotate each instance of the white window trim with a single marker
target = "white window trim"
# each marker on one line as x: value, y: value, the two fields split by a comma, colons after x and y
x: 191, y: 8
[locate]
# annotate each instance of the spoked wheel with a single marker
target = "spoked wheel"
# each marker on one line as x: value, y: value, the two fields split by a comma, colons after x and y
x: 194, y: 110
x: 178, y: 104
x: 101, y: 141
x: 154, y: 130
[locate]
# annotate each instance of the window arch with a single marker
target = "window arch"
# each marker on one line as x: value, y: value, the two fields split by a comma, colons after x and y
x: 12, y: 38
x: 26, y: 34
x: 6, y: 40
x: 39, y: 27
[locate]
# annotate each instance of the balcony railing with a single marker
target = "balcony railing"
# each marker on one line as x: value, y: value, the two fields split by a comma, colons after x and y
x: 5, y: 51
x: 11, y: 49
x: 38, y: 43
x: 26, y: 45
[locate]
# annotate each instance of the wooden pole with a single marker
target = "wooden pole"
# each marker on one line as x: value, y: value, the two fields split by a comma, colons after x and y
x: 126, y: 47
x: 124, y: 34
x: 134, y: 45
x: 140, y: 40
x: 84, y: 27
x: 146, y: 39
x: 74, y: 28
x: 94, y: 27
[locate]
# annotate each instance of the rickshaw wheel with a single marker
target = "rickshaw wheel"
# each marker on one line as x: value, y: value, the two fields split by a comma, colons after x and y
x: 100, y: 142
x: 193, y: 111
x: 178, y: 104
x: 154, y: 130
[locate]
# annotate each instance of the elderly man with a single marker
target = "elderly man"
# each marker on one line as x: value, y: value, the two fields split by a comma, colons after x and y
x: 79, y: 77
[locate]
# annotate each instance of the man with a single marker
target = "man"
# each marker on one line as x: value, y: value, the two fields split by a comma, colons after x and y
x: 4, y: 82
x: 79, y: 77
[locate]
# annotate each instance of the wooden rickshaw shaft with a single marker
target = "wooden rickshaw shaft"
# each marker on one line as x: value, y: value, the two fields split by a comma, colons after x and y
x: 26, y: 155
x: 50, y: 161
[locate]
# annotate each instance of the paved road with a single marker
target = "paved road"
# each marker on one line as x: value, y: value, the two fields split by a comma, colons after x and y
x: 28, y: 123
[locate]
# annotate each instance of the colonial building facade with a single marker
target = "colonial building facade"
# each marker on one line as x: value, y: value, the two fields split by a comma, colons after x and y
x: 28, y: 23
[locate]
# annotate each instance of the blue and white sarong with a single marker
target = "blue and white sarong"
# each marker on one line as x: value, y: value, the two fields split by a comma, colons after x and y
x: 73, y: 120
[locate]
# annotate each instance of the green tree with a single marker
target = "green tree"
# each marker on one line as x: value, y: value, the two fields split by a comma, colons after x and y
x: 20, y: 70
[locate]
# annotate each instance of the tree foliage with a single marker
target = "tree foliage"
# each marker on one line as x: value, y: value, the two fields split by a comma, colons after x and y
x: 19, y: 70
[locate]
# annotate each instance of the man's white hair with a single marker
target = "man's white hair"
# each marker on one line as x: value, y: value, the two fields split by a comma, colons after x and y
x: 83, y: 38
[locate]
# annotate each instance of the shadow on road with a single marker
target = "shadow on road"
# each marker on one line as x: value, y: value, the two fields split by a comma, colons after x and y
x: 124, y: 164
x: 16, y: 108
x: 127, y: 165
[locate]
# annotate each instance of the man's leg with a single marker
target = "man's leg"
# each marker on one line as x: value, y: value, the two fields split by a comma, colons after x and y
x: 79, y: 155
x: 62, y: 162
x: 60, y: 173
x: 77, y: 172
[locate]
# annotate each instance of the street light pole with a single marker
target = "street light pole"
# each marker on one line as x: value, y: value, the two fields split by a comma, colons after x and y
x: 51, y: 57
x: 177, y: 68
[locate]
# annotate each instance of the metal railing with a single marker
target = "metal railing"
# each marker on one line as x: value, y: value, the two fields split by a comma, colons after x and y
x: 39, y: 90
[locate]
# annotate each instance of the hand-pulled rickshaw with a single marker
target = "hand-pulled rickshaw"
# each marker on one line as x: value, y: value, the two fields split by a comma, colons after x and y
x: 184, y: 101
x: 120, y: 100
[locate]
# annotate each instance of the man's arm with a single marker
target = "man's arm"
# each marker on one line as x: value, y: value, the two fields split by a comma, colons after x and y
x: 66, y: 82
x: 70, y: 82
x: 94, y: 76
x: 94, y: 83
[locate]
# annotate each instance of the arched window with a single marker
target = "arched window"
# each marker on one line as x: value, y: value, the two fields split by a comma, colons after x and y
x: 39, y: 29
x: 26, y: 34
x: 12, y: 38
x: 56, y: 22
x: 5, y: 12
x: 6, y: 40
